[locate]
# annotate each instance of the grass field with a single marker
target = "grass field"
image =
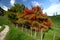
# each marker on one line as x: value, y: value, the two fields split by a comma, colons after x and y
x: 17, y: 34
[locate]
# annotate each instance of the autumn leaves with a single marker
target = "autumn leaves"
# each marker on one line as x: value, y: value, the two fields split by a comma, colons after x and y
x: 35, y: 17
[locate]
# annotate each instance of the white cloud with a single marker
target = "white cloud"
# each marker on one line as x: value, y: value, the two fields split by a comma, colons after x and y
x: 5, y: 8
x: 12, y: 2
x: 52, y: 9
x: 35, y: 3
x: 54, y: 1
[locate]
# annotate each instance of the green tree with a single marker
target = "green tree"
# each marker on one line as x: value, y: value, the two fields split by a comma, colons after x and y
x: 15, y: 11
x: 17, y: 8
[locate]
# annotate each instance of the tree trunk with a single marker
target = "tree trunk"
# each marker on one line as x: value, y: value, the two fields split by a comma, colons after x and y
x: 41, y: 35
x: 54, y: 35
x: 35, y: 32
x: 16, y: 25
x: 31, y: 30
x: 25, y: 28
x: 22, y: 27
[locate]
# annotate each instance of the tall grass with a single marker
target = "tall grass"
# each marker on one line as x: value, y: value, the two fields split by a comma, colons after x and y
x: 16, y: 34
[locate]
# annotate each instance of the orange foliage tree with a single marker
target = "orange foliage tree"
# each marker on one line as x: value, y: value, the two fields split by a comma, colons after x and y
x: 36, y: 14
x: 37, y: 20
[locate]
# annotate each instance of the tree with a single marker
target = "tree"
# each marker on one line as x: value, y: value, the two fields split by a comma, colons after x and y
x: 14, y: 12
x: 36, y: 14
x: 17, y: 8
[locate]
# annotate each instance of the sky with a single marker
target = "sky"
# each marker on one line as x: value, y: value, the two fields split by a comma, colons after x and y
x: 51, y: 7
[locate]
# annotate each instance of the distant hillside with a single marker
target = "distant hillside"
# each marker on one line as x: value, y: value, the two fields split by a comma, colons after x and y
x: 56, y: 20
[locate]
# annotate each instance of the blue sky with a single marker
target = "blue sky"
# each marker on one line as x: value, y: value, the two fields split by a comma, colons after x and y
x: 49, y: 6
